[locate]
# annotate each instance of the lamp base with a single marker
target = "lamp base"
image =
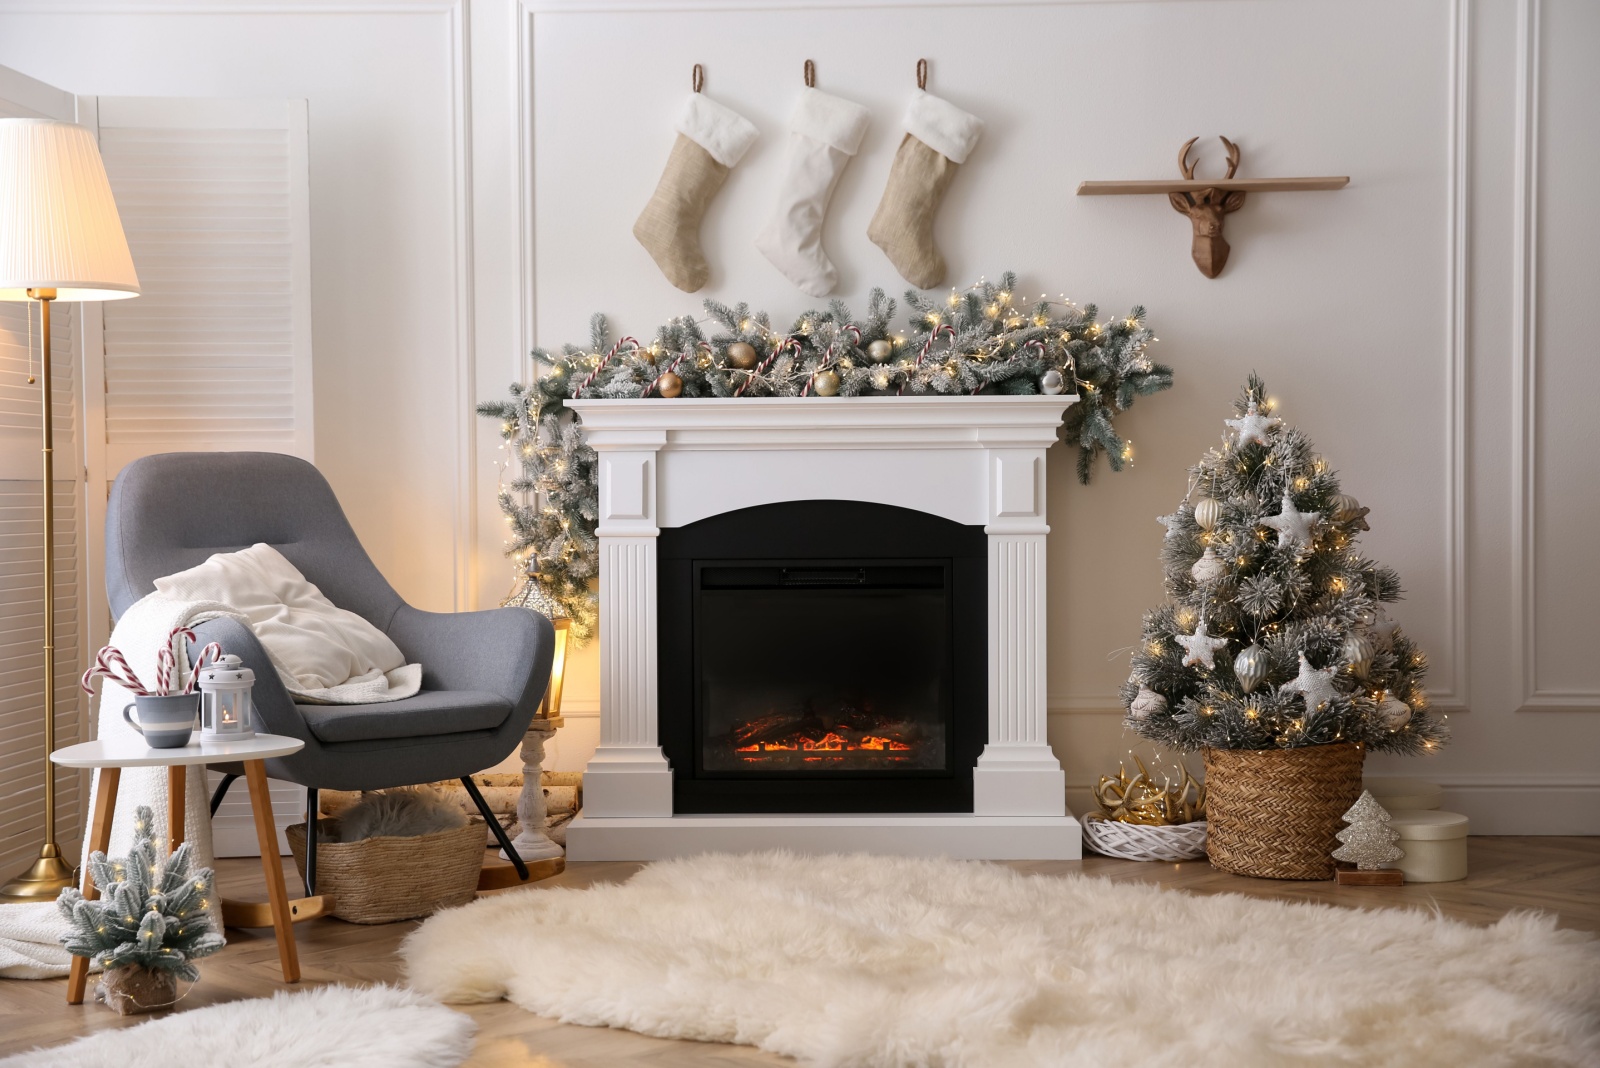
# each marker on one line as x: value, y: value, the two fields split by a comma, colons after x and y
x: 44, y: 881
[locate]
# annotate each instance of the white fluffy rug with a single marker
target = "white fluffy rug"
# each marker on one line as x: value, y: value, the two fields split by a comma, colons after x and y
x: 878, y: 961
x: 328, y: 1027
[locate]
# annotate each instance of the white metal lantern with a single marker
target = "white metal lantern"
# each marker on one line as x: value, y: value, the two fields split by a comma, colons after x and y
x: 225, y: 707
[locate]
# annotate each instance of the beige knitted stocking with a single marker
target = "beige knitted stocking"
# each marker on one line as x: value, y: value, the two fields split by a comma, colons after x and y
x: 711, y: 140
x: 939, y: 137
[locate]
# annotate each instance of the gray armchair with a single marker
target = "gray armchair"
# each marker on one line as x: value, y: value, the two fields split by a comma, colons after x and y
x: 483, y: 673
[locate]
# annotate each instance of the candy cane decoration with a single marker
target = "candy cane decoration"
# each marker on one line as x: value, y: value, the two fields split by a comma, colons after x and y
x: 751, y: 376
x: 209, y: 655
x: 109, y: 663
x: 927, y: 346
x: 670, y: 369
x: 827, y: 356
x: 601, y: 366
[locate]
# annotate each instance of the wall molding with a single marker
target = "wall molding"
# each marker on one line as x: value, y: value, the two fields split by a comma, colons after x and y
x: 1530, y: 695
x: 466, y: 382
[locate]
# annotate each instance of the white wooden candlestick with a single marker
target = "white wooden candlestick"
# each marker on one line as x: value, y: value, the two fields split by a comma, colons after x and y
x: 531, y: 842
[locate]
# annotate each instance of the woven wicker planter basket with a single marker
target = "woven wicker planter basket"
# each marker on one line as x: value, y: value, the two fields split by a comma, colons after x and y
x: 381, y: 880
x: 1275, y: 813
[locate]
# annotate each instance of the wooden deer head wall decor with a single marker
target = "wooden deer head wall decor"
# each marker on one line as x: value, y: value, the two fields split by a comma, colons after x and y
x: 1207, y: 201
x: 1205, y: 208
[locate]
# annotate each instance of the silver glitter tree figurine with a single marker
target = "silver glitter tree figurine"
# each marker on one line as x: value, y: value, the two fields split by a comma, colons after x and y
x: 1369, y: 843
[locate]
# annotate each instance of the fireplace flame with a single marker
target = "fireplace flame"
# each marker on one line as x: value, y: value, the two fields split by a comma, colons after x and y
x: 831, y: 742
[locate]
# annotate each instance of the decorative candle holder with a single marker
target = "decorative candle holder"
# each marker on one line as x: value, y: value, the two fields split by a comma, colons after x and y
x: 226, y: 710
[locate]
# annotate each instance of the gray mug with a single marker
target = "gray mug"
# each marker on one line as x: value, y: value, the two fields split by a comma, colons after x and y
x: 165, y: 722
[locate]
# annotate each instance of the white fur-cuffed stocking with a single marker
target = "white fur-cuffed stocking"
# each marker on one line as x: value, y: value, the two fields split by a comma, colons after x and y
x: 939, y: 136
x: 712, y: 139
x: 824, y: 132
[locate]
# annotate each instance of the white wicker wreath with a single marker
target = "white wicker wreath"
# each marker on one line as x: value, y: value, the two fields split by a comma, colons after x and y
x: 1136, y: 841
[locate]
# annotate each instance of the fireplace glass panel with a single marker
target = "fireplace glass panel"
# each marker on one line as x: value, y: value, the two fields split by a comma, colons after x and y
x: 831, y: 670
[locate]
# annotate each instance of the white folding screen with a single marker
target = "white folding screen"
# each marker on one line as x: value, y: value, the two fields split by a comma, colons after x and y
x: 216, y: 353
x: 22, y: 755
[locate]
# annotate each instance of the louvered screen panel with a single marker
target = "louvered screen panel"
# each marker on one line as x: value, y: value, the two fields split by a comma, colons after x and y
x: 19, y: 400
x: 22, y: 754
x: 215, y: 353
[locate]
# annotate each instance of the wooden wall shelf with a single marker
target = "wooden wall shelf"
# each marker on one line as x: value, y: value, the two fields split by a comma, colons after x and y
x: 1207, y: 202
x: 1244, y: 185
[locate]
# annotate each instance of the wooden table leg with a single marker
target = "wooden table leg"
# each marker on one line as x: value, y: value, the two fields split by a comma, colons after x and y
x: 105, y: 806
x: 177, y: 788
x: 255, y: 773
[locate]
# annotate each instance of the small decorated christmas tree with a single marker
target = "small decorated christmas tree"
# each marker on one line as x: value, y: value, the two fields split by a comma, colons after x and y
x: 1369, y: 841
x: 151, y: 922
x: 1274, y: 633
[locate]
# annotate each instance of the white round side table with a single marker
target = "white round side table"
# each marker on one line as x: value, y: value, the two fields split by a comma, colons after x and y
x: 111, y: 756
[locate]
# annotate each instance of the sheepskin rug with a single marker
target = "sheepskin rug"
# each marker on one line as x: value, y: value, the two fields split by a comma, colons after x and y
x: 885, y: 961
x: 328, y: 1027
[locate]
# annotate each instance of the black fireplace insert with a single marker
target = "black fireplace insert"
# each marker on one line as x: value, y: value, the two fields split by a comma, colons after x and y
x: 822, y: 656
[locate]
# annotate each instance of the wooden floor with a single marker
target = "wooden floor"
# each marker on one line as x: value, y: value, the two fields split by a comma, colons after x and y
x: 1561, y: 875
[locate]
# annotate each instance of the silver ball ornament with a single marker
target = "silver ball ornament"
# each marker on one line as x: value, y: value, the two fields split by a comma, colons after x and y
x: 1051, y: 382
x: 825, y: 383
x: 1207, y: 512
x: 1250, y: 667
x: 880, y: 350
x: 1358, y: 650
x: 1209, y: 567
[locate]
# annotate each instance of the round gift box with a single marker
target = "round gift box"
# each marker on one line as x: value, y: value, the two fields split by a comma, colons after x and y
x: 1395, y: 794
x: 1435, y: 845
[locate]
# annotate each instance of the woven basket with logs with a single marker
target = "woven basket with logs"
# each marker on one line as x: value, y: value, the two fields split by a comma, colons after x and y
x: 384, y: 879
x: 1275, y: 813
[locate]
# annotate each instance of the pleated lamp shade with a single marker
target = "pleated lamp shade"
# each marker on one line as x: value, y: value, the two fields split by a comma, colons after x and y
x: 59, y: 227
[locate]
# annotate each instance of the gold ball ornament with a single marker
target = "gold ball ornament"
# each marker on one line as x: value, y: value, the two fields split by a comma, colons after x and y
x: 1358, y: 650
x: 880, y: 350
x: 743, y: 355
x: 826, y: 383
x: 1207, y: 513
x: 671, y: 385
x: 1346, y: 509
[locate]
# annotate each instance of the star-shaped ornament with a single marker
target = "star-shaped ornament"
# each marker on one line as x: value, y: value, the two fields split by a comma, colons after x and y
x: 1382, y: 628
x: 1315, y: 684
x: 1253, y: 425
x: 1294, y: 528
x: 1200, y: 647
x: 1168, y: 521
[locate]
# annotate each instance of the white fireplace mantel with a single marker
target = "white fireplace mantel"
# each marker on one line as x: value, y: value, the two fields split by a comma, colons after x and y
x: 973, y: 460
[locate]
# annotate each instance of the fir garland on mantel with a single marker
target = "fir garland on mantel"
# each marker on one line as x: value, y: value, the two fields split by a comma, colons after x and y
x: 983, y: 340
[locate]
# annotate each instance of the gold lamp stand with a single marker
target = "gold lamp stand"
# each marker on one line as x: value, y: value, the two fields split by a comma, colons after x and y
x: 50, y: 874
x: 60, y: 239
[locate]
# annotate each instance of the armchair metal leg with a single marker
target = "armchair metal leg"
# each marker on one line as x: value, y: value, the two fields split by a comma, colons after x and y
x: 311, y: 841
x: 221, y: 792
x: 494, y: 825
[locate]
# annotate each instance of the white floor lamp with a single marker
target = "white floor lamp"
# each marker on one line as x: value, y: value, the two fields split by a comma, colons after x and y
x: 60, y: 239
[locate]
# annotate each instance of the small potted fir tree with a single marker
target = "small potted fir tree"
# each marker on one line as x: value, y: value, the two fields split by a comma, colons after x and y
x: 1273, y: 654
x: 151, y: 923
